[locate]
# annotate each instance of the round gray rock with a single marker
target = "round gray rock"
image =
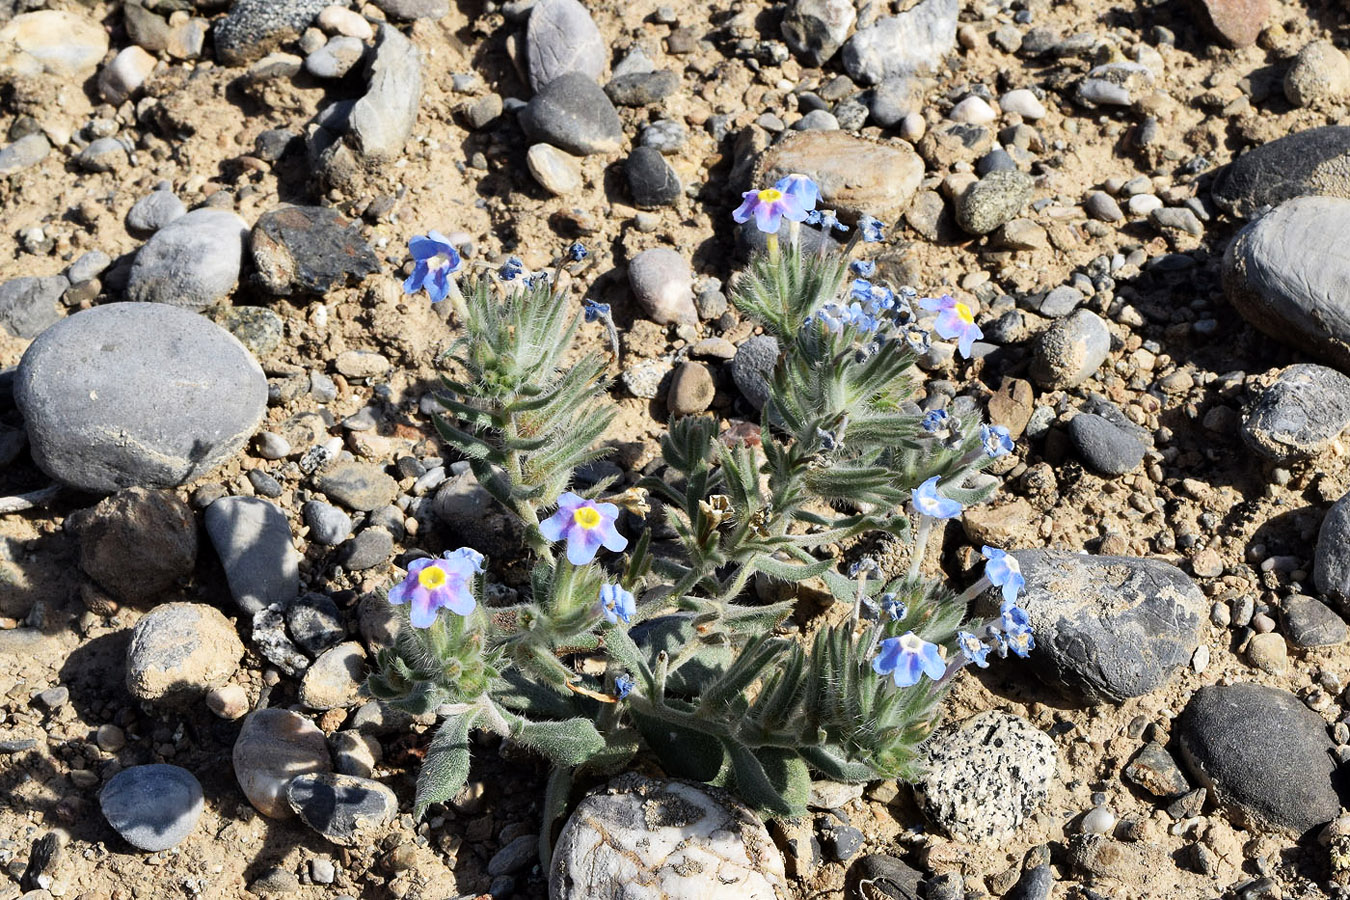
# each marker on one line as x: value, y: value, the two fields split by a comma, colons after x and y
x: 137, y: 394
x: 1285, y: 273
x: 1304, y: 408
x: 993, y: 200
x: 985, y: 775
x: 1071, y: 350
x: 253, y: 540
x: 663, y: 285
x: 1263, y: 754
x: 179, y: 651
x: 1104, y: 446
x: 152, y: 807
x: 1316, y: 161
x: 561, y: 37
x: 155, y: 210
x: 29, y: 305
x: 192, y: 262
x: 644, y: 839
x: 752, y: 367
x: 1109, y: 627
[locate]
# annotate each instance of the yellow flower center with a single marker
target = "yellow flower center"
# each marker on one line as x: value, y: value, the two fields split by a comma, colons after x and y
x: 432, y: 577
x: 963, y: 313
x: 586, y: 516
x: 769, y: 195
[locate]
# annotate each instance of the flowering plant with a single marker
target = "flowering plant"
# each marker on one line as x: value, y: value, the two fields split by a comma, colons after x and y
x: 677, y: 648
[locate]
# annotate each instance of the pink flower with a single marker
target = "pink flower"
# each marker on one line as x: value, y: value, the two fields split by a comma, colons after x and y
x: 954, y: 320
x: 585, y: 525
x: 769, y: 207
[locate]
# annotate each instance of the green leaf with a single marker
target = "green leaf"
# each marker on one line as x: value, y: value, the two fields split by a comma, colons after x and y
x: 786, y: 571
x: 771, y: 779
x: 446, y: 766
x: 568, y: 743
x: 834, y: 766
x: 684, y: 752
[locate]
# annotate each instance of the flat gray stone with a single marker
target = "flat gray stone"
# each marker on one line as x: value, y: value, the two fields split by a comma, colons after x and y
x: 137, y: 394
x: 155, y: 210
x: 1312, y: 162
x: 346, y: 809
x: 1105, y: 446
x: 912, y: 41
x: 382, y: 120
x: 1108, y: 628
x: 357, y: 485
x: 573, y: 113
x: 1263, y: 754
x: 561, y: 37
x: 192, y: 262
x: 152, y: 807
x: 993, y: 200
x: 24, y: 153
x: 1304, y: 408
x: 1286, y: 275
x: 752, y: 367
x: 1309, y: 622
x: 253, y: 540
x: 30, y: 305
x: 1331, y: 561
x: 309, y: 249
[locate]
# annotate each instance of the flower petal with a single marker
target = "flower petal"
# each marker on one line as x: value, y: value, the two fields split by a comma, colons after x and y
x: 438, y: 285
x: 933, y: 665
x: 458, y: 598
x: 423, y: 610
x: 425, y: 247
x: 767, y: 218
x: 610, y: 537
x: 398, y: 594
x: 413, y: 284
x: 582, y: 545
x: 555, y: 526
x: 743, y: 212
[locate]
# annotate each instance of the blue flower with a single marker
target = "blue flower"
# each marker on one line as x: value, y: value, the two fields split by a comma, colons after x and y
x: 1019, y: 643
x: 919, y: 340
x: 616, y: 604
x: 975, y: 650
x: 800, y: 188
x: 908, y: 658
x: 513, y: 268
x: 870, y: 229
x: 825, y: 218
x: 996, y: 439
x: 623, y: 686
x: 433, y: 584
x: 585, y: 525
x: 929, y: 503
x: 534, y: 280
x: 893, y: 607
x: 768, y: 208
x: 954, y: 320
x: 934, y: 420
x: 577, y: 251
x: 1003, y: 571
x: 594, y: 310
x: 1013, y: 619
x: 863, y: 268
x: 435, y: 260
x: 875, y: 297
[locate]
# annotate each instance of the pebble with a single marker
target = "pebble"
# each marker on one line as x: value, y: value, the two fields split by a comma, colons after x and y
x: 1104, y: 446
x: 155, y: 210
x: 254, y: 28
x: 358, y: 754
x: 1316, y: 161
x: 912, y: 41
x: 334, y: 680
x: 328, y: 525
x: 357, y: 485
x: 1099, y: 820
x: 125, y: 74
x: 518, y: 854
x: 1320, y: 74
x: 107, y: 154
x: 557, y: 172
x: 691, y: 390
x: 673, y: 838
x: 338, y: 56
x: 973, y: 110
x: 382, y: 120
x: 346, y: 809
x: 192, y: 262
x: 562, y: 38
x: 1236, y: 23
x: 1177, y: 219
x: 314, y: 622
x: 414, y: 9
x: 362, y: 364
x: 993, y: 200
x: 1300, y: 412
x: 168, y: 397
x: 753, y: 364
x: 1115, y: 84
x: 30, y: 305
x: 24, y: 153
x: 1109, y: 627
x: 816, y: 29
x: 110, y: 738
x: 893, y: 99
x: 663, y: 286
x: 1035, y: 884
x: 340, y: 20
x: 1143, y: 204
x: 666, y: 135
x: 152, y: 807
x: 984, y: 776
x: 573, y: 113
x: 1308, y: 622
x: 856, y: 176
x: 371, y: 547
x: 483, y: 113
x: 229, y: 701
x: 1071, y: 350
x: 1103, y: 207
x: 136, y: 544
x: 647, y: 379
x: 322, y: 871
x: 51, y: 42
x: 1154, y: 770
x: 642, y: 88
x: 1264, y: 755
x: 274, y: 746
x: 1024, y: 103
x: 1269, y: 653
x: 179, y: 651
x: 253, y: 540
x: 651, y: 181
x: 817, y: 120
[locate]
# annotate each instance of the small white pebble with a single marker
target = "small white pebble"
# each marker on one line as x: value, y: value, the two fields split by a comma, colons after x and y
x: 1024, y: 103
x: 972, y: 111
x: 1100, y: 820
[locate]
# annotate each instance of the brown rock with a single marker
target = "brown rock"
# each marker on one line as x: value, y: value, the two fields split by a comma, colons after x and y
x: 1236, y: 23
x: 137, y: 543
x: 856, y: 176
x: 1000, y: 526
x: 1012, y: 406
x: 691, y: 390
x: 274, y: 746
x: 179, y: 651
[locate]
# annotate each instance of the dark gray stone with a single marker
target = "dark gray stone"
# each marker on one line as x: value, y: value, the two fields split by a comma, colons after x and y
x: 1035, y: 884
x: 842, y: 842
x: 816, y: 29
x: 1303, y: 410
x: 993, y: 200
x: 193, y: 262
x: 1263, y: 754
x: 519, y: 854
x: 155, y: 210
x: 315, y: 623
x: 573, y: 113
x: 30, y: 305
x: 1103, y: 446
x: 357, y: 485
x: 152, y: 807
x: 914, y: 40
x: 328, y: 525
x: 886, y: 877
x: 309, y: 249
x: 893, y: 99
x: 1331, y: 559
x: 651, y: 180
x: 752, y: 366
x: 1059, y: 302
x: 562, y: 38
x: 1308, y: 622
x: 253, y: 540
x: 1154, y: 770
x: 137, y: 394
x: 345, y: 809
x: 1108, y: 628
x: 1316, y: 161
x: 642, y: 88
x: 371, y: 547
x: 1286, y: 275
x: 254, y: 28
